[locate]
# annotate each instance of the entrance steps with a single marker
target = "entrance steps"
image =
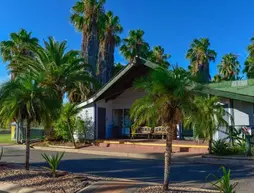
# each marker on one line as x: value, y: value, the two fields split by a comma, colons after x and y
x: 157, y: 146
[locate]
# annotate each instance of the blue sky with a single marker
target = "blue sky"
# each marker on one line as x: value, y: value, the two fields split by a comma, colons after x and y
x: 173, y: 24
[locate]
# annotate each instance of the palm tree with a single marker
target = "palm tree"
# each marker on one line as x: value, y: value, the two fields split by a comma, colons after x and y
x: 158, y: 56
x: 61, y: 70
x: 169, y: 98
x: 25, y: 97
x: 200, y: 55
x: 249, y: 67
x: 88, y: 17
x: 251, y: 47
x: 109, y: 40
x: 207, y: 119
x: 134, y: 45
x: 19, y: 44
x: 229, y: 67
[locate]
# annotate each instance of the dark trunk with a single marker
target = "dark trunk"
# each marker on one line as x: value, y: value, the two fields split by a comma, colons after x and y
x: 174, y: 135
x: 93, y: 48
x: 210, y: 146
x: 28, y: 129
x: 168, y: 157
x: 71, y: 132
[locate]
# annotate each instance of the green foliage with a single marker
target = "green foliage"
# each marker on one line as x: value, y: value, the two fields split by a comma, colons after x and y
x: 135, y: 45
x: 229, y: 67
x: 53, y: 161
x: 158, y: 56
x: 117, y: 68
x: 223, y: 184
x: 1, y: 153
x: 221, y: 147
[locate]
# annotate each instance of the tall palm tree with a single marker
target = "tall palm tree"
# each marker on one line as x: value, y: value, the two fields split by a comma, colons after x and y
x: 158, y: 56
x: 19, y: 44
x: 249, y: 67
x: 251, y: 47
x: 135, y: 45
x: 200, y: 55
x: 168, y: 100
x: 207, y: 119
x: 26, y: 98
x: 62, y: 70
x: 109, y: 40
x: 88, y: 17
x: 229, y: 67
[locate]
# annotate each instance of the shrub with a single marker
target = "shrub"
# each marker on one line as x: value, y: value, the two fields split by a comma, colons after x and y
x: 221, y: 147
x: 53, y: 161
x: 223, y: 183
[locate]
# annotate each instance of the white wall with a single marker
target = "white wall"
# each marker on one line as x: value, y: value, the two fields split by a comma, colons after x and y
x: 123, y: 101
x: 87, y: 114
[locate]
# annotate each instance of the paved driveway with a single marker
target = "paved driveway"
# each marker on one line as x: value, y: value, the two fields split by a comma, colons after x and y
x: 143, y: 170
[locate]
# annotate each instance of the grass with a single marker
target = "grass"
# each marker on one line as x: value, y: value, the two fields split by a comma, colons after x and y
x: 5, y: 138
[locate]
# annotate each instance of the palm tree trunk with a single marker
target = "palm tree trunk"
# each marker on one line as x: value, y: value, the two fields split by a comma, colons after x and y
x: 168, y: 157
x: 71, y: 133
x: 28, y: 129
x: 210, y: 145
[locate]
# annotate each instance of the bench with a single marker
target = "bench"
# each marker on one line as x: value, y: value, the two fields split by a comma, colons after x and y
x: 160, y: 131
x: 141, y: 131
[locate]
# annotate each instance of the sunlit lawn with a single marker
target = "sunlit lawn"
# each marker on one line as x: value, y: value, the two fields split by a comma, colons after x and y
x: 5, y: 138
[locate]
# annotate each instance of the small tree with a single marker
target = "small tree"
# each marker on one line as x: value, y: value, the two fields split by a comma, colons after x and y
x: 69, y: 122
x: 25, y: 97
x: 207, y: 119
x: 169, y: 98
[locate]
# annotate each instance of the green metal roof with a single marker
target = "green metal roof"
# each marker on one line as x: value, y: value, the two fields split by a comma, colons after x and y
x: 242, y: 90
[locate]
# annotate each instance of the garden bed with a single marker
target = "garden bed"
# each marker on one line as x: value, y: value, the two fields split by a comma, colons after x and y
x: 158, y: 189
x: 41, y: 179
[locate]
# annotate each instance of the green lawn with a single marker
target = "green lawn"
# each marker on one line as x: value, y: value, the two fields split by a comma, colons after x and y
x: 5, y: 138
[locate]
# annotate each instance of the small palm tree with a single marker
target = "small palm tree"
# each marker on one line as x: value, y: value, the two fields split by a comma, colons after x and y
x: 109, y: 40
x: 169, y: 98
x: 158, y: 56
x: 134, y: 45
x: 249, y: 67
x: 19, y: 44
x: 217, y: 78
x: 229, y: 67
x: 88, y: 17
x: 200, y: 55
x: 208, y: 118
x: 26, y: 98
x: 251, y: 48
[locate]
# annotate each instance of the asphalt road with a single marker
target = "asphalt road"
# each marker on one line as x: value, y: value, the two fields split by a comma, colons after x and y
x: 138, y: 169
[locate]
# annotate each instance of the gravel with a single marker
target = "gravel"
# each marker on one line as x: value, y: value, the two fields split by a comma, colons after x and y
x: 158, y: 189
x: 42, y: 180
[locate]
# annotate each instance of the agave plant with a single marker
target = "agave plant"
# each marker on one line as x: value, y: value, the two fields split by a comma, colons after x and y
x: 223, y: 184
x: 53, y: 161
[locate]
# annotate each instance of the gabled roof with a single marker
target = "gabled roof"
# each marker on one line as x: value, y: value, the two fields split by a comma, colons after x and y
x: 123, y: 80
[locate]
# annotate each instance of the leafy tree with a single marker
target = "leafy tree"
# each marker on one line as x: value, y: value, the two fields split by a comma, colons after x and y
x: 168, y: 100
x: 217, y: 78
x: 61, y: 70
x: 200, y: 55
x: 229, y: 67
x: 88, y: 17
x: 68, y: 121
x: 158, y: 56
x: 19, y: 44
x: 109, y: 40
x: 207, y: 119
x: 26, y: 98
x: 134, y: 45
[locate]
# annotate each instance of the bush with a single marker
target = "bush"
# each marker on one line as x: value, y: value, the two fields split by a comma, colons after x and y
x: 221, y: 147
